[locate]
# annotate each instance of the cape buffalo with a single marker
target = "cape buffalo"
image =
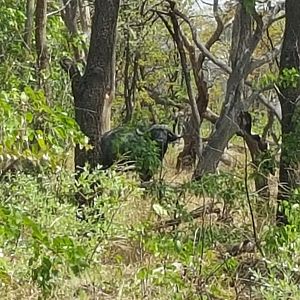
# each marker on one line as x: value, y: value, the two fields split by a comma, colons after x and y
x: 145, y: 149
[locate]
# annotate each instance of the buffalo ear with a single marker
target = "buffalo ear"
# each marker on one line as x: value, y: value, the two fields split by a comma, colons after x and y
x: 172, y: 137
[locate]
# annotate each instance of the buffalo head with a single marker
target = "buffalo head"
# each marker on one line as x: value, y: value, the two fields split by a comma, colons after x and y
x: 162, y: 135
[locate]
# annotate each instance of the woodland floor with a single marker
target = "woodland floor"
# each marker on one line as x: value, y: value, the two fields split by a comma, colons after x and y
x: 146, y: 264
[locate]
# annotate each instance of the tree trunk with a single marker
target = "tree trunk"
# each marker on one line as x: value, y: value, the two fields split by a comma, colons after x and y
x: 93, y: 92
x: 195, y: 119
x: 192, y: 140
x: 187, y: 157
x: 289, y: 96
x: 29, y: 22
x: 130, y: 77
x: 40, y: 34
x: 244, y: 41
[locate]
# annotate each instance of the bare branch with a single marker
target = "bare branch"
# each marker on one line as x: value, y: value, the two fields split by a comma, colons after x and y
x: 202, y: 47
x: 59, y: 10
x: 210, y: 116
x: 255, y: 64
x: 155, y: 95
x: 262, y: 25
x: 278, y: 18
x: 220, y: 26
x: 206, y: 3
x: 275, y: 109
x: 269, y: 56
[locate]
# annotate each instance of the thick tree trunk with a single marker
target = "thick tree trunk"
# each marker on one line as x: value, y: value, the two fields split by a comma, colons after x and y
x: 289, y: 96
x: 94, y: 92
x: 69, y: 15
x: 214, y: 149
x: 187, y: 157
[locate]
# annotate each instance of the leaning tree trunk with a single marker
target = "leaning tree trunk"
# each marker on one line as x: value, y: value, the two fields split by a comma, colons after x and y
x: 244, y: 42
x: 289, y: 98
x: 93, y: 92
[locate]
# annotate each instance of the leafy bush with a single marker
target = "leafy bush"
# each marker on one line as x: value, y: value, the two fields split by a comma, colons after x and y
x: 39, y: 228
x: 32, y: 130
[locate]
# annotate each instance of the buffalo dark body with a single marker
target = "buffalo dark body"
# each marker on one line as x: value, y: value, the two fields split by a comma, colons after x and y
x: 127, y: 145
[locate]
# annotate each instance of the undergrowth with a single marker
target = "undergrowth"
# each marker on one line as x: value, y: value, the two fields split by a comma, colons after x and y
x: 126, y: 249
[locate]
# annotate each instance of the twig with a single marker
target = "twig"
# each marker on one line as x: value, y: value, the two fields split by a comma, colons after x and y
x: 59, y: 10
x: 249, y: 203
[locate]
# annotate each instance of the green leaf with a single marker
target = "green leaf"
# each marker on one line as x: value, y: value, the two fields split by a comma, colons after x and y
x: 29, y: 117
x: 42, y: 143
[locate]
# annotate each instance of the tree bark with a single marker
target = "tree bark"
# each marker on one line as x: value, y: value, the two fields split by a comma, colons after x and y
x: 85, y: 21
x: 94, y: 91
x: 85, y: 17
x: 40, y: 34
x: 289, y: 98
x: 42, y: 61
x: 69, y: 15
x: 130, y: 76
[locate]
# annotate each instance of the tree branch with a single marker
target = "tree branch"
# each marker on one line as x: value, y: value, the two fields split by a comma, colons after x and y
x: 269, y: 56
x: 220, y: 26
x: 155, y: 95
